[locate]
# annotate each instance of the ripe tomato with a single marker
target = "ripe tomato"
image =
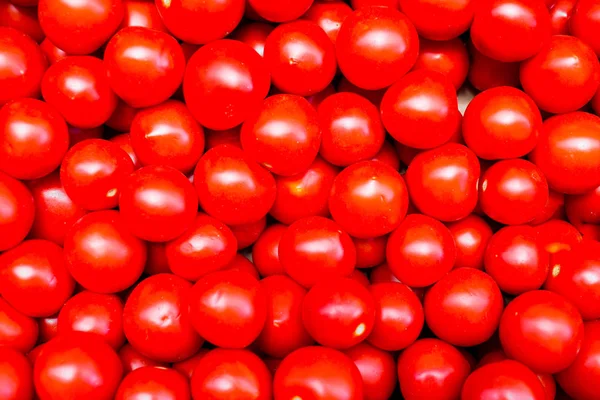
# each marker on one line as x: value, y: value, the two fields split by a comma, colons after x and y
x: 464, y: 307
x: 486, y: 73
x: 555, y: 236
x: 377, y: 368
x: 265, y: 252
x: 561, y: 12
x: 449, y: 58
x: 187, y: 366
x: 155, y: 382
x: 329, y: 16
x: 247, y: 234
x: 584, y: 208
x: 132, y: 359
x: 388, y: 155
x: 471, y: 236
x: 585, y: 22
x: 142, y: 13
x: 17, y: 331
x: 439, y: 20
x: 280, y: 11
x: 254, y: 35
x: 16, y: 373
x: 121, y: 118
x: 18, y: 211
x: 370, y: 252
x: 24, y: 19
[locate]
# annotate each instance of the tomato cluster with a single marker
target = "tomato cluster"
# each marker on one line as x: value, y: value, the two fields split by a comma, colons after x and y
x: 299, y: 199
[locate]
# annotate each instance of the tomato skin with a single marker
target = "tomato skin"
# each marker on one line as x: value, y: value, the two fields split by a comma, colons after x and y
x: 585, y: 22
x: 237, y: 319
x: 121, y: 119
x: 16, y: 373
x: 284, y: 331
x: 254, y: 35
x: 553, y: 210
x: 18, y: 212
x: 132, y: 359
x: 464, y: 307
x: 318, y: 373
x: 431, y: 368
x: 217, y: 101
x: 329, y: 16
x: 187, y: 366
x: 573, y: 63
x: 17, y: 331
x: 557, y: 235
x: 148, y: 80
x: 377, y: 368
x: 283, y: 136
x: 584, y: 208
x: 281, y: 11
x: 376, y: 212
x: 338, y: 313
x: 23, y: 19
x: 101, y: 253
x: 142, y: 13
x: 444, y: 195
x: 516, y: 259
x: 513, y: 191
x: 247, y: 234
x: 503, y: 379
x: 413, y: 262
x: 525, y: 336
x: 471, y: 235
x: 568, y: 152
x: 370, y: 64
x: 486, y: 73
x: 231, y: 374
x: 370, y: 252
x: 265, y: 252
x: 48, y: 328
x: 53, y: 54
x: 245, y: 200
x: 420, y: 110
x: 156, y: 320
x: 578, y: 380
x: 307, y: 263
x: 437, y: 20
x: 163, y: 383
x: 75, y: 366
x: 449, y: 58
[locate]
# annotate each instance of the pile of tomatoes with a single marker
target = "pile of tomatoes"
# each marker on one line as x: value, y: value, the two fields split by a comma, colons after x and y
x: 287, y: 199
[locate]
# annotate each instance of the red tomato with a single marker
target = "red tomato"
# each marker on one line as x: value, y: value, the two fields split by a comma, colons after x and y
x: 580, y: 379
x: 374, y: 96
x: 187, y: 366
x: 16, y: 373
x: 53, y: 54
x: 585, y: 23
x: 23, y: 67
x: 449, y: 58
x: 34, y: 278
x: 241, y: 264
x: 77, y: 135
x: 247, y: 234
x: 156, y: 320
x: 516, y: 259
x: 77, y: 365
x: 583, y: 208
x: 232, y: 187
x: 464, y: 307
x: 144, y: 66
x: 80, y: 28
x: 555, y: 236
x: 513, y: 191
x: 382, y: 274
x: 554, y: 209
x: 442, y: 182
x: 439, y: 20
x: 132, y: 359
x: 17, y: 331
x: 420, y: 251
x: 224, y: 83
x: 154, y: 382
x: 575, y: 275
x: 24, y: 19
x: 101, y: 253
x: 93, y: 172
x: 122, y: 117
x: 124, y: 142
x: 568, y: 152
x: 398, y: 316
x: 388, y: 155
x: 338, y: 313
x: 48, y: 328
x: 329, y: 16
x: 231, y: 374
x: 368, y: 199
x: 529, y: 326
x: 284, y: 330
x: 471, y: 236
x: 370, y: 252
x: 254, y: 35
x: 237, y: 318
x: 318, y: 373
x: 503, y: 380
x: 351, y: 129
x: 142, y: 13
x: 431, y: 368
x: 158, y: 203
x: 314, y: 249
x: 377, y: 368
x: 18, y: 211
x: 265, y: 252
x: 376, y: 46
x: 284, y: 135
x: 563, y: 76
x: 486, y: 73
x: 280, y: 11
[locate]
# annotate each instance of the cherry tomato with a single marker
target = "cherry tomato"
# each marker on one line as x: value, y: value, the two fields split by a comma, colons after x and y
x: 585, y: 22
x: 280, y: 11
x: 93, y: 172
x: 449, y: 58
x: 318, y: 373
x: 284, y: 330
x: 471, y: 236
x: 568, y: 152
x: 254, y: 35
x: 398, y: 316
x: 155, y: 382
x: 24, y: 19
x: 439, y: 20
x: 314, y: 249
x: 88, y: 103
x: 388, y: 155
x: 237, y: 318
x: 144, y: 66
x: 561, y: 12
x: 555, y: 236
x: 142, y: 13
x: 420, y: 251
x: 77, y: 365
x: 370, y: 252
x: 16, y: 373
x: 231, y: 374
x: 53, y: 54
x: 464, y: 307
x: 563, y: 76
x: 122, y: 117
x: 503, y: 380
x: 132, y: 359
x: 265, y: 252
x: 579, y: 379
x: 232, y: 187
x: 228, y: 136
x: 17, y: 331
x: 156, y: 320
x: 247, y: 234
x: 529, y: 326
x: 329, y: 16
x: 486, y: 73
x: 584, y: 208
x: 124, y: 142
x: 553, y: 210
x: 23, y: 67
x: 187, y: 366
x: 431, y: 368
x: 101, y: 253
x: 48, y: 328
x: 376, y: 46
x: 382, y: 274
x: 374, y: 96
x: 158, y: 203
x: 516, y: 259
x: 368, y: 199
x: 18, y: 211
x: 224, y: 83
x: 377, y: 369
